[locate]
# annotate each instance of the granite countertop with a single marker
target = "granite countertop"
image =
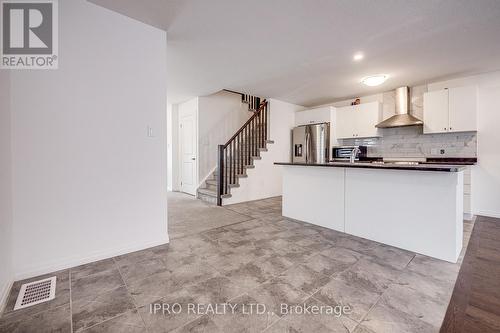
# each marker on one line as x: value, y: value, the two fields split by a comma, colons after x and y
x: 432, y: 166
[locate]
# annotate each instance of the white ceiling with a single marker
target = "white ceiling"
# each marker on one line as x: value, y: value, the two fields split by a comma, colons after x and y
x: 301, y: 51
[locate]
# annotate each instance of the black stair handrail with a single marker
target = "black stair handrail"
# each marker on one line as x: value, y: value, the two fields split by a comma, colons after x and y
x: 239, y: 150
x: 252, y: 101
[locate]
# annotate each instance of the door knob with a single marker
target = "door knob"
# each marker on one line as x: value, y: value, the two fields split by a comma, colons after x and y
x: 193, y: 158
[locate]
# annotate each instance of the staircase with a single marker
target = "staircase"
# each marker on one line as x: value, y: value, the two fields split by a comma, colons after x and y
x: 238, y: 154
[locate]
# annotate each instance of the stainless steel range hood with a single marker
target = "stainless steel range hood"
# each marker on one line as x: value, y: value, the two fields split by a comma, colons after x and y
x: 402, y: 116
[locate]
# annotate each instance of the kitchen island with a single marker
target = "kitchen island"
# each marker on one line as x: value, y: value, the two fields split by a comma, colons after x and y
x: 414, y: 207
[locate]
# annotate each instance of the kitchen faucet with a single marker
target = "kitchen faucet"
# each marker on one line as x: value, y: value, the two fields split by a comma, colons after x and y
x: 354, y: 153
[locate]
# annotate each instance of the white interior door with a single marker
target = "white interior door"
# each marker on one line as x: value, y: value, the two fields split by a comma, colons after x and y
x: 188, y: 153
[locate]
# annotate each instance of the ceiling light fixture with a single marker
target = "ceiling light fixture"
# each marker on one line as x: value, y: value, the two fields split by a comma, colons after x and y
x: 358, y: 56
x: 375, y: 80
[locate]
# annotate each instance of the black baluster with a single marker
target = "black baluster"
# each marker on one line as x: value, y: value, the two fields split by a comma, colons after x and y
x: 254, y: 137
x: 250, y: 146
x: 247, y: 145
x: 265, y: 121
x: 234, y: 162
x: 240, y: 155
x: 225, y: 171
x: 262, y: 125
x: 220, y: 174
x: 258, y: 133
x: 231, y: 163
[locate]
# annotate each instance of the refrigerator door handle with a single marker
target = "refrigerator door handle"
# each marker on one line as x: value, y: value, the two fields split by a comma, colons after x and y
x: 307, y: 146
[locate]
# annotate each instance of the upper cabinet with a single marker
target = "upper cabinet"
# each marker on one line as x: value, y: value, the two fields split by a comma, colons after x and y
x: 450, y: 110
x: 358, y: 121
x: 463, y: 105
x: 313, y: 116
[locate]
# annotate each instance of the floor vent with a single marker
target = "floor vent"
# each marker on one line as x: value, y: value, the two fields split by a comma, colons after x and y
x: 36, y: 292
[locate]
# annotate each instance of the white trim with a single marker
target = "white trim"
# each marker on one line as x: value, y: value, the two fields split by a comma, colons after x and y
x: 487, y: 213
x: 468, y: 216
x: 72, y: 262
x: 4, y: 295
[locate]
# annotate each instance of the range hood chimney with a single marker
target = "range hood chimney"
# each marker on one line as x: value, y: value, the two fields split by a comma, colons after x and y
x: 402, y: 116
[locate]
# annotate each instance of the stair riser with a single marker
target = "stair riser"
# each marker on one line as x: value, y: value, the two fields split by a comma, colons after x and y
x: 211, y: 187
x: 209, y: 199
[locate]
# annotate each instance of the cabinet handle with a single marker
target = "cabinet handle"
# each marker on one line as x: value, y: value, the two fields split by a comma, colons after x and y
x: 445, y: 128
x: 450, y: 128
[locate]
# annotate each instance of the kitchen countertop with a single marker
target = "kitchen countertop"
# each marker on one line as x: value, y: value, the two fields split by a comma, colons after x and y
x: 391, y: 166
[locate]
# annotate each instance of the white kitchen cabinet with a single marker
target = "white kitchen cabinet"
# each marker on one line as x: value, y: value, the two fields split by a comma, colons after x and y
x: 463, y: 101
x: 313, y: 116
x: 450, y: 110
x: 358, y: 121
x: 436, y: 108
x: 344, y: 126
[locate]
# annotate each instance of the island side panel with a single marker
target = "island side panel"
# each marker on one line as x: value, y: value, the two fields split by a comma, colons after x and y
x: 314, y: 195
x: 420, y: 211
x: 459, y: 232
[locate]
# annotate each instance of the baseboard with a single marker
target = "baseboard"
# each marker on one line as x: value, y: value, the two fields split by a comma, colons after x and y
x: 487, y: 213
x: 72, y: 262
x: 4, y: 295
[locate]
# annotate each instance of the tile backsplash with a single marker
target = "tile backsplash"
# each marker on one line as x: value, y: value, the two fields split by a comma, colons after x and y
x: 410, y: 141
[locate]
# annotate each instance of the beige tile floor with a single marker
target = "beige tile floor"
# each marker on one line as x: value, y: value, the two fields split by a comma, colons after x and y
x: 242, y: 254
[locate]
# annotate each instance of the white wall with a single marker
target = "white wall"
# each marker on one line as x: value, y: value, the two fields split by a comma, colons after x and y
x: 220, y: 116
x: 88, y: 183
x: 6, y: 272
x: 265, y: 180
x: 281, y: 123
x: 485, y: 192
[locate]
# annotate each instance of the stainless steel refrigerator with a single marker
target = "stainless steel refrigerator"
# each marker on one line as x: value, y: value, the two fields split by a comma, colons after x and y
x: 311, y: 143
